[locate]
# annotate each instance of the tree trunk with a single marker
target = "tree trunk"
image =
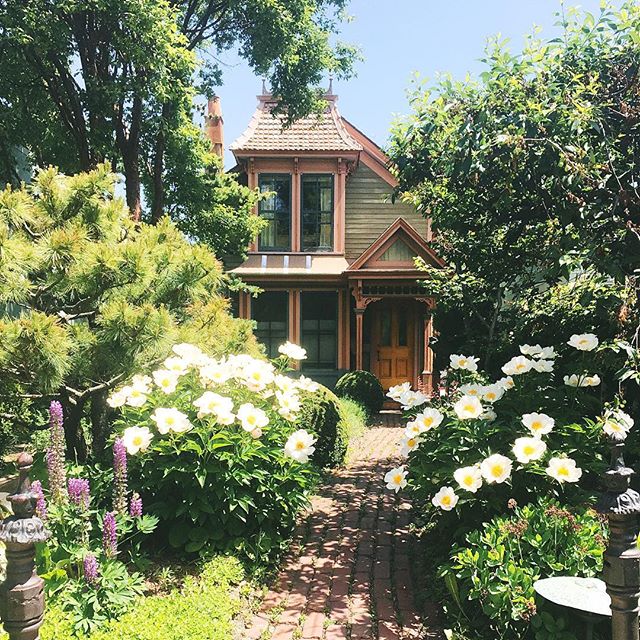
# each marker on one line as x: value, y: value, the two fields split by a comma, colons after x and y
x: 157, y: 206
x: 99, y: 422
x: 132, y: 182
x: 77, y: 448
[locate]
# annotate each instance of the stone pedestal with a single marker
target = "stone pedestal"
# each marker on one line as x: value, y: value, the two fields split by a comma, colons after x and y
x: 22, y: 592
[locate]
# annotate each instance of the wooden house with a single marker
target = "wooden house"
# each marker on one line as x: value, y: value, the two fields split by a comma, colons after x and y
x: 336, y: 260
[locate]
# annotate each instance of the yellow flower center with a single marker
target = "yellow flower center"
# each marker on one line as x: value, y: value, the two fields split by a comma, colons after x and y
x: 468, y: 480
x: 529, y: 450
x: 520, y: 366
x: 171, y: 420
x: 411, y: 442
x: 562, y: 471
x: 397, y: 478
x: 299, y: 445
x: 497, y: 470
x: 469, y: 408
x: 137, y: 441
x: 427, y: 422
x: 491, y: 396
x: 251, y: 419
x: 473, y: 392
x: 462, y: 362
x: 536, y: 425
x: 446, y: 500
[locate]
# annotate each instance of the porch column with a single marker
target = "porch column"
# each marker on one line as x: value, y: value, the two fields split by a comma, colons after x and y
x: 427, y: 356
x: 359, y: 336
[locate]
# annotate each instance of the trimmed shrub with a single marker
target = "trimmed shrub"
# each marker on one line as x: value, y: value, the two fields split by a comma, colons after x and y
x: 363, y: 387
x: 320, y: 414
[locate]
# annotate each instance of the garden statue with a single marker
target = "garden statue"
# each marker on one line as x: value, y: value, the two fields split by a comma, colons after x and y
x: 22, y: 592
x: 621, y: 572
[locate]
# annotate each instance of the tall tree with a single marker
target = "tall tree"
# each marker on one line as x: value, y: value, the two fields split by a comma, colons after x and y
x: 114, y: 80
x: 531, y: 176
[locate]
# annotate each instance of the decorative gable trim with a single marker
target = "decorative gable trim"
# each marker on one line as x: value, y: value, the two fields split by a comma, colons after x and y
x: 402, y: 231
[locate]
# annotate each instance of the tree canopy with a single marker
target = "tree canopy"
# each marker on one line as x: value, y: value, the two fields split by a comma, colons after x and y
x: 532, y: 178
x: 89, y: 297
x: 115, y: 81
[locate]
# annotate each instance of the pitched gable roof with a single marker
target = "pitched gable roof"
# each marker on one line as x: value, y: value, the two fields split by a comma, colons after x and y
x: 373, y: 258
x: 324, y: 132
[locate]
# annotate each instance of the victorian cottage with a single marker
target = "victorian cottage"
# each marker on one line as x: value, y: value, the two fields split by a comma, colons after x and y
x: 336, y: 259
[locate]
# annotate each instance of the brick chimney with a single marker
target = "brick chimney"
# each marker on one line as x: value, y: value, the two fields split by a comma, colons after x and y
x: 214, y: 125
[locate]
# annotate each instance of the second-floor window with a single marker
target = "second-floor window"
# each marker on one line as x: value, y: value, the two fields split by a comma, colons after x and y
x: 276, y: 209
x: 317, y: 212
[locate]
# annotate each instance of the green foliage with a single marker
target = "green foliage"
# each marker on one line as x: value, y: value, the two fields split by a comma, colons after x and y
x: 353, y: 418
x: 225, y: 484
x: 203, y: 609
x: 321, y: 415
x: 117, y: 81
x: 363, y: 387
x: 530, y: 176
x: 494, y: 570
x: 99, y: 297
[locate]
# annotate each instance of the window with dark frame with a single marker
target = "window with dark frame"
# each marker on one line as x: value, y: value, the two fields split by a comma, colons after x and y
x: 317, y: 212
x: 319, y: 325
x: 270, y: 311
x: 276, y: 209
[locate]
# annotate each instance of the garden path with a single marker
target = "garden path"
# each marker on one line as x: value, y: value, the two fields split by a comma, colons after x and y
x: 348, y: 576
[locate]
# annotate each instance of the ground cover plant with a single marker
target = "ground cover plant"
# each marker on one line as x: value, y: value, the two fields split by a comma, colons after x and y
x: 532, y: 441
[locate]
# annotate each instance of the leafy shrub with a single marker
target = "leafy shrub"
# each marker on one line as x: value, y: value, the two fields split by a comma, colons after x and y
x: 363, y: 387
x: 203, y: 609
x: 496, y: 567
x: 321, y: 415
x: 224, y: 469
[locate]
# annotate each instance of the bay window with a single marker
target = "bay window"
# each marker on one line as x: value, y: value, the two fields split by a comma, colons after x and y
x: 276, y: 209
x: 317, y: 212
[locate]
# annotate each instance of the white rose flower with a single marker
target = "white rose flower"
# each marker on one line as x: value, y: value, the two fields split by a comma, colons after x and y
x: 177, y: 365
x: 258, y: 375
x: 166, y: 380
x: 572, y: 381
x: 135, y: 396
x: 289, y: 405
x: 409, y: 445
x: 617, y: 423
x: 285, y: 383
x: 530, y: 350
x: 396, y: 479
x: 469, y: 478
x: 496, y: 468
x: 591, y: 381
x: 428, y: 419
x: 583, y: 341
x: 292, y: 351
x: 547, y: 353
x: 251, y: 417
x: 468, y: 407
x: 411, y: 399
x: 538, y: 423
x: 472, y: 390
x: 493, y: 392
x: 215, y: 373
x: 543, y: 366
x: 171, y: 420
x: 396, y: 392
x: 528, y: 449
x: 118, y: 398
x: 446, y: 499
x: 136, y: 439
x: 564, y: 470
x: 142, y: 383
x: 517, y: 366
x: 299, y: 445
x: 210, y: 403
x: 506, y: 383
x: 466, y: 363
x: 583, y: 380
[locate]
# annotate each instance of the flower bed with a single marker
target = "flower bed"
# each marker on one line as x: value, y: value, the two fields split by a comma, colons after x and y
x: 479, y: 445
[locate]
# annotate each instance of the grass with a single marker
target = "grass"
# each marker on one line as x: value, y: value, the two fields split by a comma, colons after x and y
x: 353, y: 420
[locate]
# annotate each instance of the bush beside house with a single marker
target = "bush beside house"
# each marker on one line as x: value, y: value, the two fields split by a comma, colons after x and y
x: 363, y: 387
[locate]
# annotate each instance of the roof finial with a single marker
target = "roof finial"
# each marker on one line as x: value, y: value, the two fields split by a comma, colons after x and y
x: 264, y: 86
x: 330, y: 89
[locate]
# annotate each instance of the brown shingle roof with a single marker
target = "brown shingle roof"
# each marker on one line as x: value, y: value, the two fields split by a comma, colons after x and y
x: 324, y: 132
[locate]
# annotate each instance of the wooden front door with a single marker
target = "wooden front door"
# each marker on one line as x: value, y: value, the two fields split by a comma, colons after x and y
x: 393, y: 341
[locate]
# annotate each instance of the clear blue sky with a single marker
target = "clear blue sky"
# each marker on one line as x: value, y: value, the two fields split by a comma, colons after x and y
x: 397, y: 39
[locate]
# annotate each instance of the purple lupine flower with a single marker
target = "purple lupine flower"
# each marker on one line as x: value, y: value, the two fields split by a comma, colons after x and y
x: 135, y: 506
x: 55, y: 455
x: 78, y: 490
x: 41, y: 503
x: 119, y: 476
x: 90, y: 569
x: 109, y: 534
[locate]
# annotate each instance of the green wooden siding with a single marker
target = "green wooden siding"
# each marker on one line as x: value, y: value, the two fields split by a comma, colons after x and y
x: 369, y: 211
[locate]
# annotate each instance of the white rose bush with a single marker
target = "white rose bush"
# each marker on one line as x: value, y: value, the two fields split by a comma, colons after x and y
x: 215, y: 449
x: 535, y: 432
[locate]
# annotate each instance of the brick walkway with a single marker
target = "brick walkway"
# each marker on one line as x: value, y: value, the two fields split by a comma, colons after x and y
x: 348, y: 575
